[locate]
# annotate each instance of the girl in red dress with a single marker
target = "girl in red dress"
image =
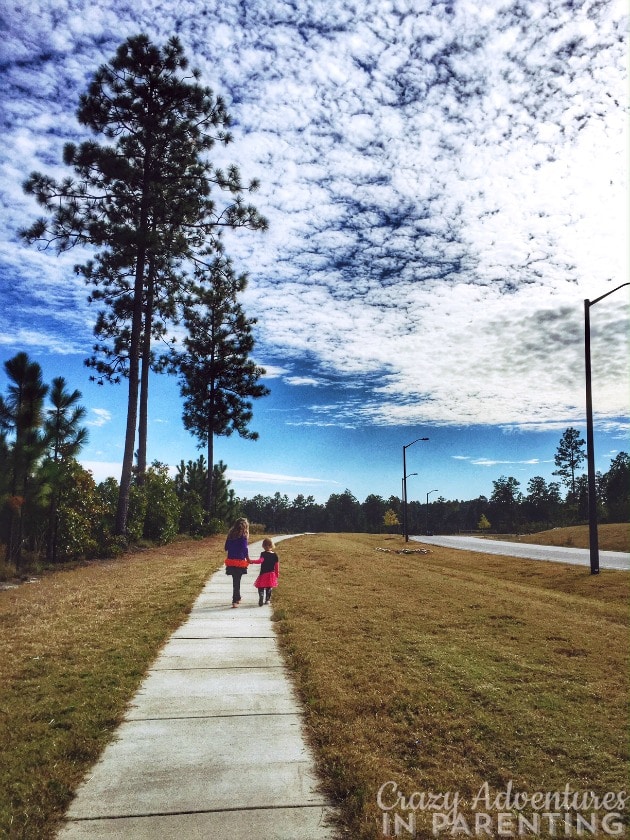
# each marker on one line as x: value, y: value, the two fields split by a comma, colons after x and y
x: 269, y: 572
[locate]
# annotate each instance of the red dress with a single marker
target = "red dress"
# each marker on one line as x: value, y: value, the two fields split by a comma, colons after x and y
x: 269, y: 570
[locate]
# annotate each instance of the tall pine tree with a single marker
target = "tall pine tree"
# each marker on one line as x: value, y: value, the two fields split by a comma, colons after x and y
x: 64, y: 438
x: 568, y: 457
x: 21, y: 415
x: 217, y: 377
x: 144, y: 197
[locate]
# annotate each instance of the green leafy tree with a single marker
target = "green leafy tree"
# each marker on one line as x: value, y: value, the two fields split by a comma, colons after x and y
x: 21, y: 415
x: 390, y: 520
x: 80, y: 513
x: 483, y: 524
x: 161, y: 520
x: 568, y: 457
x: 144, y: 197
x: 217, y: 377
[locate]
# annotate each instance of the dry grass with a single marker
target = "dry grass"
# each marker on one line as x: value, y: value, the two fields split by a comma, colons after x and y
x: 614, y: 537
x: 73, y: 649
x: 445, y: 671
x: 439, y: 672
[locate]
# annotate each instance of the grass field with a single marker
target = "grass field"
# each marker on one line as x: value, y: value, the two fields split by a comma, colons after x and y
x: 615, y: 537
x: 73, y: 649
x: 438, y: 672
x: 447, y: 671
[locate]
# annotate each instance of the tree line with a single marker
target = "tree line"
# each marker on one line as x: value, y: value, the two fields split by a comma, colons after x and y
x: 52, y: 510
x: 506, y: 510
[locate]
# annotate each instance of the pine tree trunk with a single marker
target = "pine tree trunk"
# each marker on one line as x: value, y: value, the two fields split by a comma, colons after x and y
x: 132, y: 403
x: 144, y: 379
x: 209, y: 500
x: 51, y: 542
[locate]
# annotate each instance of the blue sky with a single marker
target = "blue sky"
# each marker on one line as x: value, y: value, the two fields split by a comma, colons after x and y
x: 445, y: 183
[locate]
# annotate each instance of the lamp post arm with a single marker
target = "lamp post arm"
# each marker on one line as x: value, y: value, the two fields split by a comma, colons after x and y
x: 589, y: 303
x: 590, y: 436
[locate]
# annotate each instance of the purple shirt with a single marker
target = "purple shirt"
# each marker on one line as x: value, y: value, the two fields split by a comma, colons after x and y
x: 237, y: 548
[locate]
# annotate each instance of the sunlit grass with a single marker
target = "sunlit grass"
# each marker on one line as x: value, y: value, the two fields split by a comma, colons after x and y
x: 73, y: 649
x: 438, y: 671
x: 448, y: 670
x: 613, y: 537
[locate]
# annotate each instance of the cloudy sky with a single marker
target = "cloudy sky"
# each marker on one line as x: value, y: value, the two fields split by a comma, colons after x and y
x: 445, y: 183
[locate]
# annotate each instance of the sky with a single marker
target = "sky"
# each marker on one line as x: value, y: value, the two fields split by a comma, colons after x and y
x: 445, y: 183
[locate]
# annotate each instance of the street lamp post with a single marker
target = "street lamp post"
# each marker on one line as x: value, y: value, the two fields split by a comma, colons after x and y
x: 590, y: 447
x: 405, y: 448
x: 428, y: 494
x: 404, y: 497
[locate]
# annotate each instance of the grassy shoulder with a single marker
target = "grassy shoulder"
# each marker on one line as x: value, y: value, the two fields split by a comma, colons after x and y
x: 613, y: 537
x: 450, y: 670
x: 74, y: 647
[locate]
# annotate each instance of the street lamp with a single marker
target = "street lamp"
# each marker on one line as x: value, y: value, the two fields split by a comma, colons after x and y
x: 405, y: 448
x: 428, y: 494
x: 404, y: 496
x: 590, y: 448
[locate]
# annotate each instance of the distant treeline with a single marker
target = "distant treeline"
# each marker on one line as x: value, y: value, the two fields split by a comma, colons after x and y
x: 52, y: 510
x: 507, y: 510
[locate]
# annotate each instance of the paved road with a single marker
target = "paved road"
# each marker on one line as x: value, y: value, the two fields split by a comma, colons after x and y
x: 558, y: 554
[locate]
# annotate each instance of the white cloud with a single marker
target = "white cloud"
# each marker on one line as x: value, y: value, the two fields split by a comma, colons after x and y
x: 445, y: 184
x: 102, y: 417
x: 302, y: 380
x: 273, y: 478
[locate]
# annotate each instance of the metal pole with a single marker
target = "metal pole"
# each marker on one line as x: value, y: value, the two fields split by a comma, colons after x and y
x: 590, y: 447
x: 405, y: 495
x: 428, y: 494
x: 405, y: 528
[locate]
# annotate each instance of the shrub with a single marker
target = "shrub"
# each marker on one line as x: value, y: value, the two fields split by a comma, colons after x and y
x: 162, y: 507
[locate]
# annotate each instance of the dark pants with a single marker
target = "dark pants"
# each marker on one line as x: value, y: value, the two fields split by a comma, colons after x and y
x: 237, y: 574
x: 266, y: 592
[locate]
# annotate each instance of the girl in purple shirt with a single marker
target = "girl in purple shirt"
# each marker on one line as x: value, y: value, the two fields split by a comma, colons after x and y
x: 237, y: 559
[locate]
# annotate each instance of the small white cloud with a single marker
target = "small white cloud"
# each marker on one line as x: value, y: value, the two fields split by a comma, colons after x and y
x: 302, y: 380
x: 263, y: 477
x: 102, y: 416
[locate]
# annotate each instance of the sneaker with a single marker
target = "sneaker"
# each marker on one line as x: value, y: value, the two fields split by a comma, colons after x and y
x: 235, y: 604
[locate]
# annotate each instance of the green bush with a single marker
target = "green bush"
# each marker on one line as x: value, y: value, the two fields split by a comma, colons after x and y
x: 80, y: 511
x: 162, y: 507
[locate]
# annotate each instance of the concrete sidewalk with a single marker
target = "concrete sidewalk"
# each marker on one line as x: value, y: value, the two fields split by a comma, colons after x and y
x: 211, y: 747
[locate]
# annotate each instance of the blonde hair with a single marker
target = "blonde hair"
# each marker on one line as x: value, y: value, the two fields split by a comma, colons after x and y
x: 267, y: 543
x: 239, y: 529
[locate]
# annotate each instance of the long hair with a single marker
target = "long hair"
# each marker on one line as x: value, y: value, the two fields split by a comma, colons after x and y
x: 239, y: 529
